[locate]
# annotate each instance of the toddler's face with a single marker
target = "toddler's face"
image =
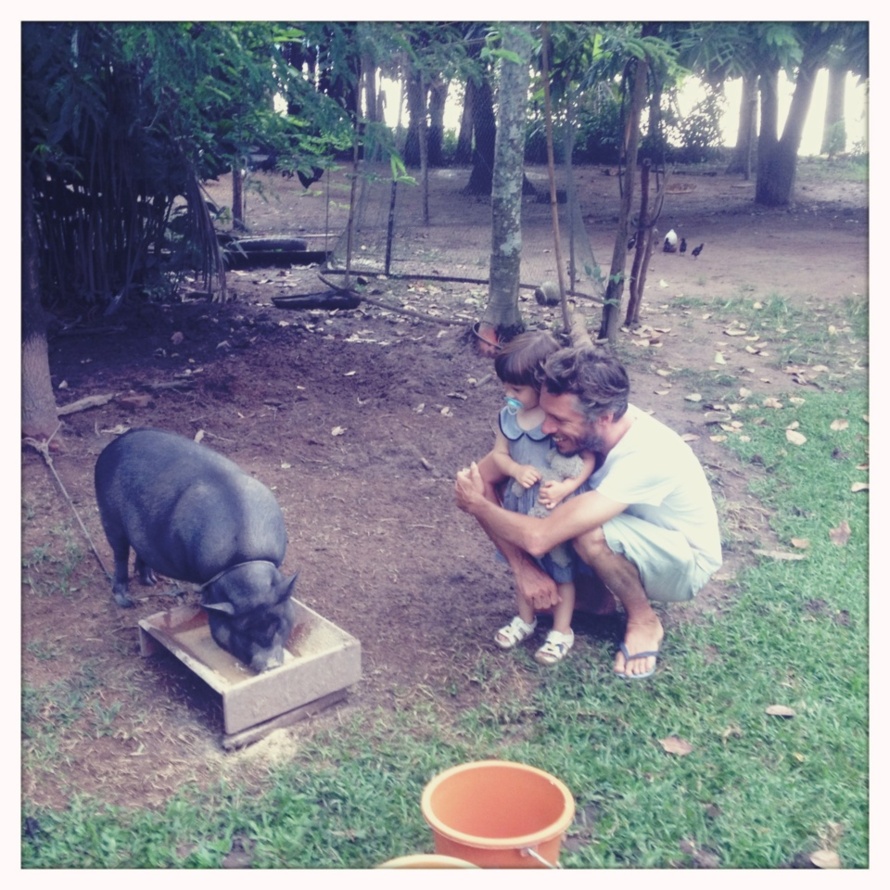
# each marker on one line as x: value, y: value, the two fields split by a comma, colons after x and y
x: 527, y: 396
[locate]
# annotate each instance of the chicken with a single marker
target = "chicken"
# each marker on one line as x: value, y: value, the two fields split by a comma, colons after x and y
x: 670, y: 242
x: 631, y: 242
x: 697, y: 250
x: 682, y: 245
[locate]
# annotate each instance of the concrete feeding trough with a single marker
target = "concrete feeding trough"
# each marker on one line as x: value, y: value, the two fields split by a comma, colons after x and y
x: 320, y: 662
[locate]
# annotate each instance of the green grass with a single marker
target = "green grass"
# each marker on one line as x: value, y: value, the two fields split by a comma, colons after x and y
x: 41, y: 563
x: 755, y: 791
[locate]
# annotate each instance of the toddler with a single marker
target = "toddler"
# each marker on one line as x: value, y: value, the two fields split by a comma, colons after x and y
x: 539, y: 478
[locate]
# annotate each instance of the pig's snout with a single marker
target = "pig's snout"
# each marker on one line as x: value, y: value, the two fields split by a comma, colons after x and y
x: 266, y: 661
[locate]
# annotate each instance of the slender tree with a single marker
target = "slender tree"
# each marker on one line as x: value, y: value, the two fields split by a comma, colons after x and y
x: 742, y: 160
x: 502, y: 313
x: 834, y: 130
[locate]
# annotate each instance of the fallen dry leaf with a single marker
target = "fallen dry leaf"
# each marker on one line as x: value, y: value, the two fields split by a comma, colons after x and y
x: 675, y: 745
x: 840, y: 535
x: 859, y: 486
x: 800, y: 543
x: 690, y: 437
x: 794, y: 437
x: 779, y: 554
x: 693, y: 397
x: 825, y: 859
x: 781, y: 711
x: 839, y: 424
x: 770, y: 402
x: 338, y: 431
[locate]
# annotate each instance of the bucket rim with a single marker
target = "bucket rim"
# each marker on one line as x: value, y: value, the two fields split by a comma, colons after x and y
x: 532, y: 840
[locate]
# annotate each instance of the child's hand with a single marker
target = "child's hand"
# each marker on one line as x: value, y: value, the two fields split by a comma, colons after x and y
x: 527, y: 476
x: 551, y: 493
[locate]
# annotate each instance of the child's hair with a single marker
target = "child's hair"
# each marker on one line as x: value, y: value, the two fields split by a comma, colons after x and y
x: 521, y: 360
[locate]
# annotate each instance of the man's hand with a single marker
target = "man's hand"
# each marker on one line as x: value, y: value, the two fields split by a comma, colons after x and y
x: 536, y: 586
x: 552, y: 493
x: 469, y: 489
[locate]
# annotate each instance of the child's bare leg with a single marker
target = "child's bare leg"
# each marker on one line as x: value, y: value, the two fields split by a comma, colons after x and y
x: 562, y: 611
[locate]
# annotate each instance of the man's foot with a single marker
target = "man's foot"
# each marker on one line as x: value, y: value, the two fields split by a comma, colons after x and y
x: 638, y: 654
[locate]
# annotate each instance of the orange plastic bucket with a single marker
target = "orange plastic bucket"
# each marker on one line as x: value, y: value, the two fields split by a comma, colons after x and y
x: 498, y: 814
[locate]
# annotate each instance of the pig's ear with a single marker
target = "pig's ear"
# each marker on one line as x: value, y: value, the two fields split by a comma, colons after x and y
x: 228, y: 608
x: 290, y: 586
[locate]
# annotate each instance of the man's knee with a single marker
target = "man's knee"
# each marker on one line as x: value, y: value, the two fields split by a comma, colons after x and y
x: 591, y: 545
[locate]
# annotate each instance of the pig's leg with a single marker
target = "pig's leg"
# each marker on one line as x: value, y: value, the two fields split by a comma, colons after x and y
x: 145, y: 572
x: 121, y: 551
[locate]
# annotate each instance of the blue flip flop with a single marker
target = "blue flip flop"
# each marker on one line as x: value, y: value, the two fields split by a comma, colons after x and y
x: 628, y: 658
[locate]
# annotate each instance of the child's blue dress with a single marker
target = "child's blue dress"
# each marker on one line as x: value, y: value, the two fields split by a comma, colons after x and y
x: 533, y: 447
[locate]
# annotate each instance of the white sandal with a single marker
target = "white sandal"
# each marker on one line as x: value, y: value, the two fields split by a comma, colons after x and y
x: 555, y: 647
x: 515, y: 632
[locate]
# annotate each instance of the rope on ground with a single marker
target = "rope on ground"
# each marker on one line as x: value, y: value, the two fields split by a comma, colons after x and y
x: 42, y: 448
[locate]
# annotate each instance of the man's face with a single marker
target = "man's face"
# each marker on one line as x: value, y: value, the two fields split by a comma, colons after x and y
x: 571, y: 432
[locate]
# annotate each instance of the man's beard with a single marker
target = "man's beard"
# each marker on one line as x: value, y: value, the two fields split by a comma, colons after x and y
x: 589, y: 442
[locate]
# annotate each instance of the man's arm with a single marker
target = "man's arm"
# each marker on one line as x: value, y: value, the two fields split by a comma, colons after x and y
x: 532, y: 582
x: 535, y: 536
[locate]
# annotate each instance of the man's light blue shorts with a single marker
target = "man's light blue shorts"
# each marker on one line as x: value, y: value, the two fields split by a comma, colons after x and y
x: 662, y: 556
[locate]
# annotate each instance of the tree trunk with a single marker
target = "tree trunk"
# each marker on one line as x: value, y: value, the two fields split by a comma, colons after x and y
x: 834, y: 132
x: 39, y: 417
x: 743, y: 153
x: 238, y: 199
x: 636, y: 281
x: 370, y: 84
x: 423, y: 145
x: 484, y: 131
x: 464, y: 152
x: 416, y: 117
x: 438, y: 93
x: 615, y: 287
x: 775, y: 172
x: 502, y: 312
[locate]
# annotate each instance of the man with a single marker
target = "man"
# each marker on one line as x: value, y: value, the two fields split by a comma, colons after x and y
x: 646, y: 528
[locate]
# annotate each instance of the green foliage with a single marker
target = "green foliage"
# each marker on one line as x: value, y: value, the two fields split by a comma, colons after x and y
x: 121, y: 122
x: 699, y: 134
x: 599, y: 128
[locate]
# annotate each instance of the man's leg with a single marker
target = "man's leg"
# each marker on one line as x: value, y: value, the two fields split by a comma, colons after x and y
x: 644, y: 631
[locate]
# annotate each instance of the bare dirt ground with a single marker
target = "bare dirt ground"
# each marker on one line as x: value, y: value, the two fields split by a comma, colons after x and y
x: 358, y: 420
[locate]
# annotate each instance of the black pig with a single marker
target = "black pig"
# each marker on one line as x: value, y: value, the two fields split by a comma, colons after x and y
x: 191, y: 514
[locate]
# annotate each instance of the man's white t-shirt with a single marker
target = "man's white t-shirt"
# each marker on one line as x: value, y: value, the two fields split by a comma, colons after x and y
x: 656, y: 473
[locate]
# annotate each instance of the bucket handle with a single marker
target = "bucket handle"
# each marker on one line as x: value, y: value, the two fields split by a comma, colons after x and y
x: 528, y: 851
